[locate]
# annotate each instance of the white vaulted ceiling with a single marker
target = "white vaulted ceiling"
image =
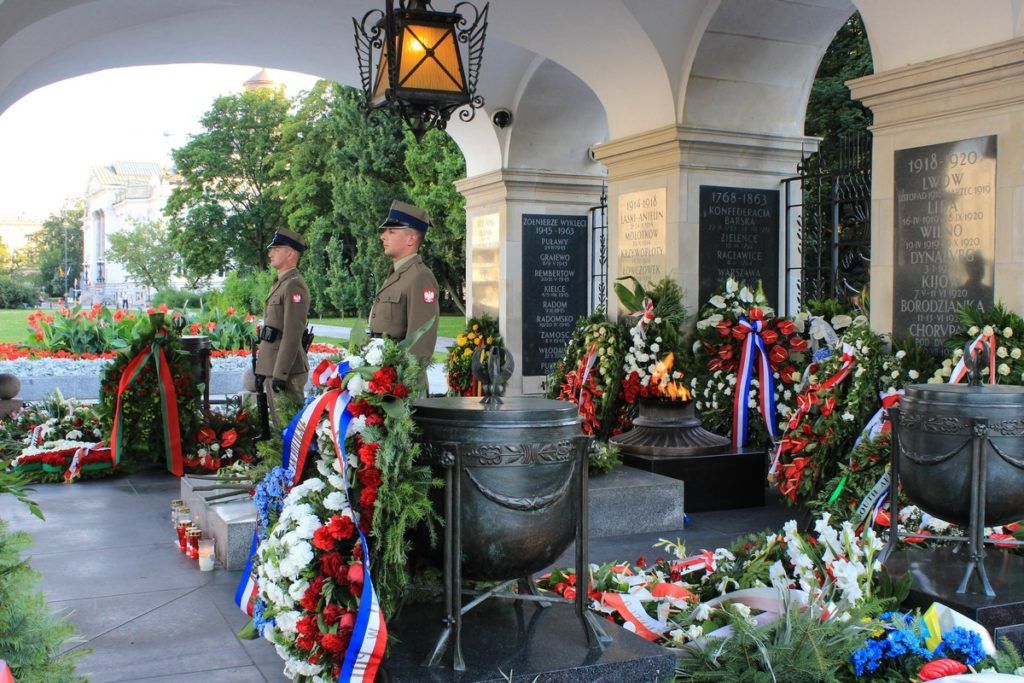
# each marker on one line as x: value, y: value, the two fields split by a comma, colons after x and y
x: 574, y: 72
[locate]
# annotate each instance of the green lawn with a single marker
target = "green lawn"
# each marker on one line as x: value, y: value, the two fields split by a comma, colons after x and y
x: 450, y: 326
x: 14, y: 325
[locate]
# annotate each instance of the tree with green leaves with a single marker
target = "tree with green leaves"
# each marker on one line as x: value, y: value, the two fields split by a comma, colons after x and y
x: 831, y: 113
x: 434, y: 164
x: 146, y: 252
x: 56, y: 249
x: 344, y: 169
x: 228, y: 205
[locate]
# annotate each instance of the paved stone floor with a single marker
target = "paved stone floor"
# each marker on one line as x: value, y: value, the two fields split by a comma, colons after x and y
x: 107, y: 560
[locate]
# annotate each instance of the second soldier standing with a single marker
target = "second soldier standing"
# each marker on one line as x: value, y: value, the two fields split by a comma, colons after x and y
x: 409, y: 296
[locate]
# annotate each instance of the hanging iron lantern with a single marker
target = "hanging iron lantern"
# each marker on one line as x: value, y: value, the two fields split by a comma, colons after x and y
x: 411, y: 60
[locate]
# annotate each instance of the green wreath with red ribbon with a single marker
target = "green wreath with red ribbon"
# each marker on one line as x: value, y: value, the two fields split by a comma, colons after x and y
x: 150, y: 399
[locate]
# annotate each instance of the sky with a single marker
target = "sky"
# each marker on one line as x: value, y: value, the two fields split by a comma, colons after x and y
x: 53, y: 136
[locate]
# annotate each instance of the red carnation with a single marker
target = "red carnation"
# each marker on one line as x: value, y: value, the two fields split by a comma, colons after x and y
x: 399, y: 391
x: 323, y: 539
x: 331, y: 614
x: 368, y: 453
x: 370, y: 476
x: 332, y: 644
x: 311, y: 598
x: 368, y: 497
x: 307, y: 625
x: 373, y: 418
x: 341, y: 527
x: 229, y: 437
x: 305, y: 642
x: 333, y: 565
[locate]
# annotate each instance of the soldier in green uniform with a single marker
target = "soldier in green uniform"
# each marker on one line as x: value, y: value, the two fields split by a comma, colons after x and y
x: 282, y: 360
x: 409, y: 296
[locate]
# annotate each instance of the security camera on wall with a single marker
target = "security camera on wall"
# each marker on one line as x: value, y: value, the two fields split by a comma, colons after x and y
x: 502, y: 118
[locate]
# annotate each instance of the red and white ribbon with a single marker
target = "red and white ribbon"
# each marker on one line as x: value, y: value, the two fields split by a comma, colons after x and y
x: 960, y: 369
x: 646, y: 316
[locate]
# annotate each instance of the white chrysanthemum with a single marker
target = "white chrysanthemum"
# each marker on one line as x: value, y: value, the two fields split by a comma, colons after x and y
x: 307, y: 526
x: 375, y: 352
x: 298, y: 589
x: 336, y: 500
x: 287, y: 621
x: 356, y: 426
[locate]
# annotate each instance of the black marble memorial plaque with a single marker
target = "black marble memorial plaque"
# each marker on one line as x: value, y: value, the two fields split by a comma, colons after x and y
x: 944, y: 212
x: 739, y: 238
x: 554, y: 286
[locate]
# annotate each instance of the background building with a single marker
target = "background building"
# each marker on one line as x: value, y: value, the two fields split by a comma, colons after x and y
x: 116, y: 195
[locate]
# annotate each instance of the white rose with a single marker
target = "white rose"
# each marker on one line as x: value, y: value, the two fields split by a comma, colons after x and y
x: 1007, y: 332
x: 1001, y: 352
x: 1003, y: 369
x: 988, y: 331
x: 973, y: 330
x: 913, y: 374
x: 1015, y: 354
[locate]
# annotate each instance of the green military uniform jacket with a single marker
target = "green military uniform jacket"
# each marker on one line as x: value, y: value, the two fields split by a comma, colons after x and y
x: 287, y: 310
x: 407, y: 300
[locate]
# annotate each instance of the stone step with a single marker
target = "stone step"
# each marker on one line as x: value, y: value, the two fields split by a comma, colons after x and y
x: 230, y: 524
x: 631, y: 501
x: 625, y: 501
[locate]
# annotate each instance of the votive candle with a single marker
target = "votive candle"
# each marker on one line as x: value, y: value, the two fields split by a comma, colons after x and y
x: 206, y: 554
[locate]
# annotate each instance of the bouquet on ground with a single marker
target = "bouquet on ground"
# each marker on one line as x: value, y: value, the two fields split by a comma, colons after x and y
x: 689, y: 602
x: 480, y: 332
x: 223, y: 439
x: 47, y: 437
x: 748, y: 364
x: 357, y: 501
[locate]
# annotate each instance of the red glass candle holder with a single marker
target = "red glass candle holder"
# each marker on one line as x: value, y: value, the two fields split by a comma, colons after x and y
x: 193, y: 536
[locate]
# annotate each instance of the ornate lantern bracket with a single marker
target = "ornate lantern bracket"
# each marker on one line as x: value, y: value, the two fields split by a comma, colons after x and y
x: 420, y: 63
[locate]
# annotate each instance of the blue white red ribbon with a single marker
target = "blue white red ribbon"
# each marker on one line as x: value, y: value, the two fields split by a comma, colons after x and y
x: 960, y: 369
x: 879, y: 422
x: 753, y: 351
x: 369, y: 637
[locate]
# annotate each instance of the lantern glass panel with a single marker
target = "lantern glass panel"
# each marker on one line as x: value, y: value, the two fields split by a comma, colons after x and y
x: 430, y: 59
x: 382, y: 83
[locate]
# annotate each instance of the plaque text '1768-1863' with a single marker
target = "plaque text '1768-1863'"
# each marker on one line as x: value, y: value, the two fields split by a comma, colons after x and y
x: 945, y: 211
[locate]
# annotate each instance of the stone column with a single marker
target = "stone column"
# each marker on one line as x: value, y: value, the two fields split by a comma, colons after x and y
x: 495, y: 205
x: 973, y: 94
x: 674, y: 162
